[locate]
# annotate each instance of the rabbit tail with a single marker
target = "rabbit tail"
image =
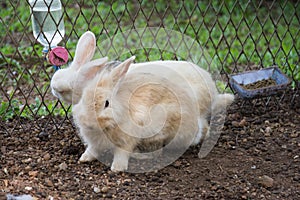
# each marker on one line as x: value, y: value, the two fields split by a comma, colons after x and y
x: 221, y: 102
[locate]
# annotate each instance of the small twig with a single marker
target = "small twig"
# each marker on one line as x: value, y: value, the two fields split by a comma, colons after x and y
x: 220, y: 168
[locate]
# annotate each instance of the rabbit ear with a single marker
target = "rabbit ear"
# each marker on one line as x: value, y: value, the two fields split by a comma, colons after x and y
x: 90, y: 70
x: 121, y: 70
x: 85, y: 49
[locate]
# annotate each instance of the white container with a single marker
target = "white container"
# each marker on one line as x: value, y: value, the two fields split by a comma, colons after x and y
x: 47, y: 22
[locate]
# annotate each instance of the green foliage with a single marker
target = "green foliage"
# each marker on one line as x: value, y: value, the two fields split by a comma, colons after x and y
x: 15, y: 107
x: 15, y: 77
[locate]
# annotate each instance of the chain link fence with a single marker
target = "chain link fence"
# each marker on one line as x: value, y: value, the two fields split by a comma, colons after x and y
x: 226, y: 37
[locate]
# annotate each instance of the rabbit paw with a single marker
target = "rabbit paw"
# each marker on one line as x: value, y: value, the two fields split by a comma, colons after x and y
x: 120, y: 162
x: 119, y: 166
x: 86, y: 157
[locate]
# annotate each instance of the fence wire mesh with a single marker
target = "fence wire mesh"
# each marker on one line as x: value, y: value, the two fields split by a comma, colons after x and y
x: 226, y: 37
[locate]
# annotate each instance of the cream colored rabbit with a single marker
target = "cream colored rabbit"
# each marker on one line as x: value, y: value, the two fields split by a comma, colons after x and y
x: 154, y: 104
x: 68, y: 84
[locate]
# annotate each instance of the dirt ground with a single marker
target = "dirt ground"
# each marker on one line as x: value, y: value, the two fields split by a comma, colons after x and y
x: 256, y: 157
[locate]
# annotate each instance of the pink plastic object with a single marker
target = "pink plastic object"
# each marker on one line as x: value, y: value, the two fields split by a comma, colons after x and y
x: 58, y: 56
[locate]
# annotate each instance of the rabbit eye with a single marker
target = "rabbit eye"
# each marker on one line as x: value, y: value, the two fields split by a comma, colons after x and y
x: 106, y: 104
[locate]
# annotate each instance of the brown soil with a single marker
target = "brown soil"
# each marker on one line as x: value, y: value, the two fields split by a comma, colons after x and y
x: 256, y: 157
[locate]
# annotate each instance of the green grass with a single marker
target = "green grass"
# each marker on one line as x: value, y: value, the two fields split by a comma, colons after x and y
x: 15, y: 107
x: 222, y: 36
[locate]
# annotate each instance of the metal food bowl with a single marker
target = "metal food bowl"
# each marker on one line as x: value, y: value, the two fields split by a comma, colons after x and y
x: 239, y: 81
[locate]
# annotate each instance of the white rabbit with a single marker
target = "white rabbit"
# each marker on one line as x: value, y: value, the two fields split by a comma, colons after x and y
x: 146, y: 106
x: 67, y: 84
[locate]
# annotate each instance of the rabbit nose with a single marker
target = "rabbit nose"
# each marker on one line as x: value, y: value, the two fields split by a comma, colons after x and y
x: 55, y: 89
x: 54, y: 93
